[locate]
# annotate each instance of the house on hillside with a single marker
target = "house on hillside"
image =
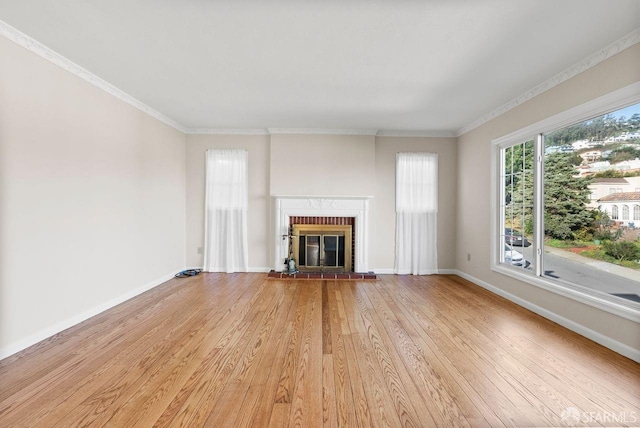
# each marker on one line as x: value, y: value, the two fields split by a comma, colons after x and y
x: 601, y: 187
x: 591, y: 155
x: 623, y: 208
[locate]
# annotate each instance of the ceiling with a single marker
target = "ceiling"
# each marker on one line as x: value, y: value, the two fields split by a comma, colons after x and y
x: 422, y: 66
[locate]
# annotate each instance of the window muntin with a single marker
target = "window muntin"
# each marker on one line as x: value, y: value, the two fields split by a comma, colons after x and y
x: 516, y: 202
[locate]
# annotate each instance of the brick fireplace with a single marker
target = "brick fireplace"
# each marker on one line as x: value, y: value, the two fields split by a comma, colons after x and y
x: 327, y: 220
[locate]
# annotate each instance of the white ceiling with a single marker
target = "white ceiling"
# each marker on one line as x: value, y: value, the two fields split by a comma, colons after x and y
x: 403, y: 65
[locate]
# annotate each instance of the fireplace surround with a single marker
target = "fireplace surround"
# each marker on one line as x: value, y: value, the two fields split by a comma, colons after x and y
x: 324, y: 206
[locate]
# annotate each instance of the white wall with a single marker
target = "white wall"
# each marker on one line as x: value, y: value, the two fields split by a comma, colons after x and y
x: 320, y: 165
x: 92, y: 199
x: 259, y: 226
x: 473, y: 200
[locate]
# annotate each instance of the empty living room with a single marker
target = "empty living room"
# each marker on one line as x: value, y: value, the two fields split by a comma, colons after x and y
x: 366, y: 213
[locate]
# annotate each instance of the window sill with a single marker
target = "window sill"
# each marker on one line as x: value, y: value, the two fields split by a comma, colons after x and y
x: 630, y: 310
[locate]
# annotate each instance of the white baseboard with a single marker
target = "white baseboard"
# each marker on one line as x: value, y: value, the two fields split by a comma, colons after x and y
x: 600, y: 338
x: 56, y: 328
x: 390, y: 271
x: 260, y: 269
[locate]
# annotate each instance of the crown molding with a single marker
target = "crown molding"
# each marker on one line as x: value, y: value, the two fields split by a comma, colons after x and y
x: 321, y: 131
x: 41, y: 50
x: 227, y: 131
x: 614, y: 48
x: 423, y: 134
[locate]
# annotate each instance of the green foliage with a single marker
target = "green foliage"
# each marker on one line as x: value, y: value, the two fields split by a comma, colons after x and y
x: 566, y: 136
x: 602, y: 227
x: 558, y: 243
x: 597, y: 129
x: 599, y: 254
x: 565, y: 198
x: 612, y: 173
x: 609, y: 173
x: 584, y: 234
x: 518, y: 164
x: 622, y: 250
x: 624, y: 154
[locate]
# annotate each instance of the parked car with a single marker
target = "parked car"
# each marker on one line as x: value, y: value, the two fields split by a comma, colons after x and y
x: 513, y: 257
x: 515, y: 237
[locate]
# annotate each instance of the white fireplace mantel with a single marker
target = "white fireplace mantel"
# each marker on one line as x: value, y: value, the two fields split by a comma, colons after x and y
x: 322, y: 206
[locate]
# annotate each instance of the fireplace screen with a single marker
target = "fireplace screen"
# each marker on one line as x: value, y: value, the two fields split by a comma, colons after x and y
x: 326, y: 247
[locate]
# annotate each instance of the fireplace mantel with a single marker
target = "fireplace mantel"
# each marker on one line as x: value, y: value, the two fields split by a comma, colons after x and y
x: 322, y: 206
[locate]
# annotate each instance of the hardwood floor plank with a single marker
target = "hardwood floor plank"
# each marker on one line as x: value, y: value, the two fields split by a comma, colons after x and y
x: 56, y: 387
x: 286, y: 381
x: 579, y: 386
x: 341, y: 378
x: 306, y: 399
x: 249, y: 376
x: 474, y: 379
x: 192, y: 349
x: 266, y: 381
x: 326, y: 326
x: 329, y: 412
x: 397, y: 379
x: 244, y: 350
x: 191, y: 405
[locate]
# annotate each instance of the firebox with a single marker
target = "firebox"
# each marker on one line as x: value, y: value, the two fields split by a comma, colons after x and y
x: 323, y: 247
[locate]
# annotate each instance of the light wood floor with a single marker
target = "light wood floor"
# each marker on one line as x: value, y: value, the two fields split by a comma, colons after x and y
x: 242, y: 350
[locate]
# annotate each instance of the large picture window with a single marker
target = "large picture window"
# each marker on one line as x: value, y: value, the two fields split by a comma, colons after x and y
x: 556, y: 223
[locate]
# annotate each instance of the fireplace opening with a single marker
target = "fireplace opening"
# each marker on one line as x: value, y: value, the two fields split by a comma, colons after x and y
x: 323, y: 244
x: 323, y: 248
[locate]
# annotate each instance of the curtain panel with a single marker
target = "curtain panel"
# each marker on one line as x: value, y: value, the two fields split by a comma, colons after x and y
x: 226, y: 196
x: 416, y: 213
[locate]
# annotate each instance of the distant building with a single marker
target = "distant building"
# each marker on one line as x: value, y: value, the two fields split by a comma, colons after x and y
x: 581, y: 144
x: 595, y: 167
x: 591, y: 155
x: 558, y: 149
x: 601, y: 187
x: 623, y: 208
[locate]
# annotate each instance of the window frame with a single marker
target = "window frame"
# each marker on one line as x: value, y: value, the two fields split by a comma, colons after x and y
x: 613, y: 101
x: 615, y: 212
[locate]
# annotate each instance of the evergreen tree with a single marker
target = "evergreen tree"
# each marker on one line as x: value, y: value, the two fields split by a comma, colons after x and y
x: 565, y: 198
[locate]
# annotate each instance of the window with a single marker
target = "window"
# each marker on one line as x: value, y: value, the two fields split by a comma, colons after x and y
x: 416, y: 213
x: 226, y: 200
x: 546, y: 229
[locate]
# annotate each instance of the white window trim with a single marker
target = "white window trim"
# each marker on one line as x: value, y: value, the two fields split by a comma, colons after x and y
x: 613, y: 101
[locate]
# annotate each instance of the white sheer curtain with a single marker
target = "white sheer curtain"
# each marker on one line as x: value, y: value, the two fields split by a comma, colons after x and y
x: 416, y: 213
x: 225, y: 240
